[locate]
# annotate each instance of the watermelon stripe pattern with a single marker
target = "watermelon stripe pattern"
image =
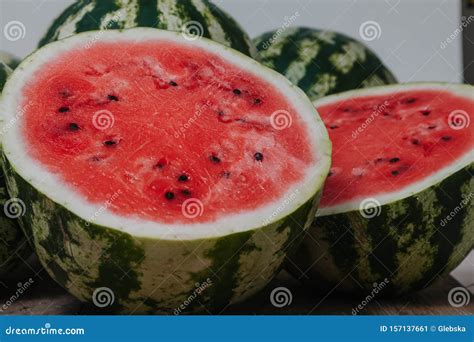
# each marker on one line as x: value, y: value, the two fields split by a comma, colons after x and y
x: 199, y: 16
x: 13, y: 245
x: 322, y: 62
x: 83, y: 256
x: 410, y: 242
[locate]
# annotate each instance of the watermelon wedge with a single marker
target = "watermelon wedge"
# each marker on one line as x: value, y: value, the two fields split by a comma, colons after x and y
x: 13, y: 245
x: 397, y: 204
x: 149, y: 164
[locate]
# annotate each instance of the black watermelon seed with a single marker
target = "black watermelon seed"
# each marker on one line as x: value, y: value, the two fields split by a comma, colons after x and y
x: 394, y: 160
x: 257, y: 101
x: 409, y: 100
x: 183, y: 178
x: 237, y: 92
x: 73, y: 126
x: 112, y: 98
x: 63, y: 109
x: 173, y: 83
x: 432, y: 127
x: 186, y: 192
x: 169, y: 195
x: 110, y: 142
x: 258, y: 156
x: 333, y: 127
x: 330, y: 174
x: 215, y: 159
x: 395, y: 172
x: 425, y: 112
x: 415, y: 142
x: 446, y: 138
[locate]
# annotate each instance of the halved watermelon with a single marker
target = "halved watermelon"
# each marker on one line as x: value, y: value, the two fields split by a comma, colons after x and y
x: 398, y: 200
x: 150, y: 164
x: 13, y: 245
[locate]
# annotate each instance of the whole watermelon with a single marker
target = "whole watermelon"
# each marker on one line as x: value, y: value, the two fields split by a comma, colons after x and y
x: 322, y: 62
x: 198, y: 17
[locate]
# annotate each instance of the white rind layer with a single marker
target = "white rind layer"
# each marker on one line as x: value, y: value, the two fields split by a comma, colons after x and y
x: 461, y: 90
x: 57, y: 190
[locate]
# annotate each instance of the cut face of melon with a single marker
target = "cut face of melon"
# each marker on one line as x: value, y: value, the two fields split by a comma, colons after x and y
x: 394, y: 141
x: 397, y: 206
x: 195, y: 158
x: 184, y: 124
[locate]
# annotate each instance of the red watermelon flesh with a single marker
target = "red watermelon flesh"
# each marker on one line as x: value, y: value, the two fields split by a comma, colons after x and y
x: 161, y: 123
x: 384, y: 143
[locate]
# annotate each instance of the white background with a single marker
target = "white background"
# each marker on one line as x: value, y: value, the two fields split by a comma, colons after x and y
x: 412, y: 33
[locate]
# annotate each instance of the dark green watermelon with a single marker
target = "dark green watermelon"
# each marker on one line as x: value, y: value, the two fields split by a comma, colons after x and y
x: 322, y: 62
x: 199, y: 17
x: 13, y: 245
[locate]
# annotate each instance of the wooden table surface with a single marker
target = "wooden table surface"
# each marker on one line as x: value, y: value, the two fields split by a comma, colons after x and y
x: 45, y: 297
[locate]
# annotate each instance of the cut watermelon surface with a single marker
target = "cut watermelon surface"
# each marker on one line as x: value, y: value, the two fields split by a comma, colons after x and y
x: 184, y: 124
x: 149, y: 163
x: 397, y: 208
x: 384, y: 143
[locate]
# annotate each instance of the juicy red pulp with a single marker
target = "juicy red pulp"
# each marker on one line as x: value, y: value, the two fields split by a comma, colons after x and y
x: 145, y: 126
x: 387, y: 142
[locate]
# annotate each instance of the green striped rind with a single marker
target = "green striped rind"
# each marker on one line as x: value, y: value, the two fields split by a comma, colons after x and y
x: 321, y: 62
x: 150, y: 275
x: 173, y: 15
x: 410, y: 243
x: 13, y: 245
